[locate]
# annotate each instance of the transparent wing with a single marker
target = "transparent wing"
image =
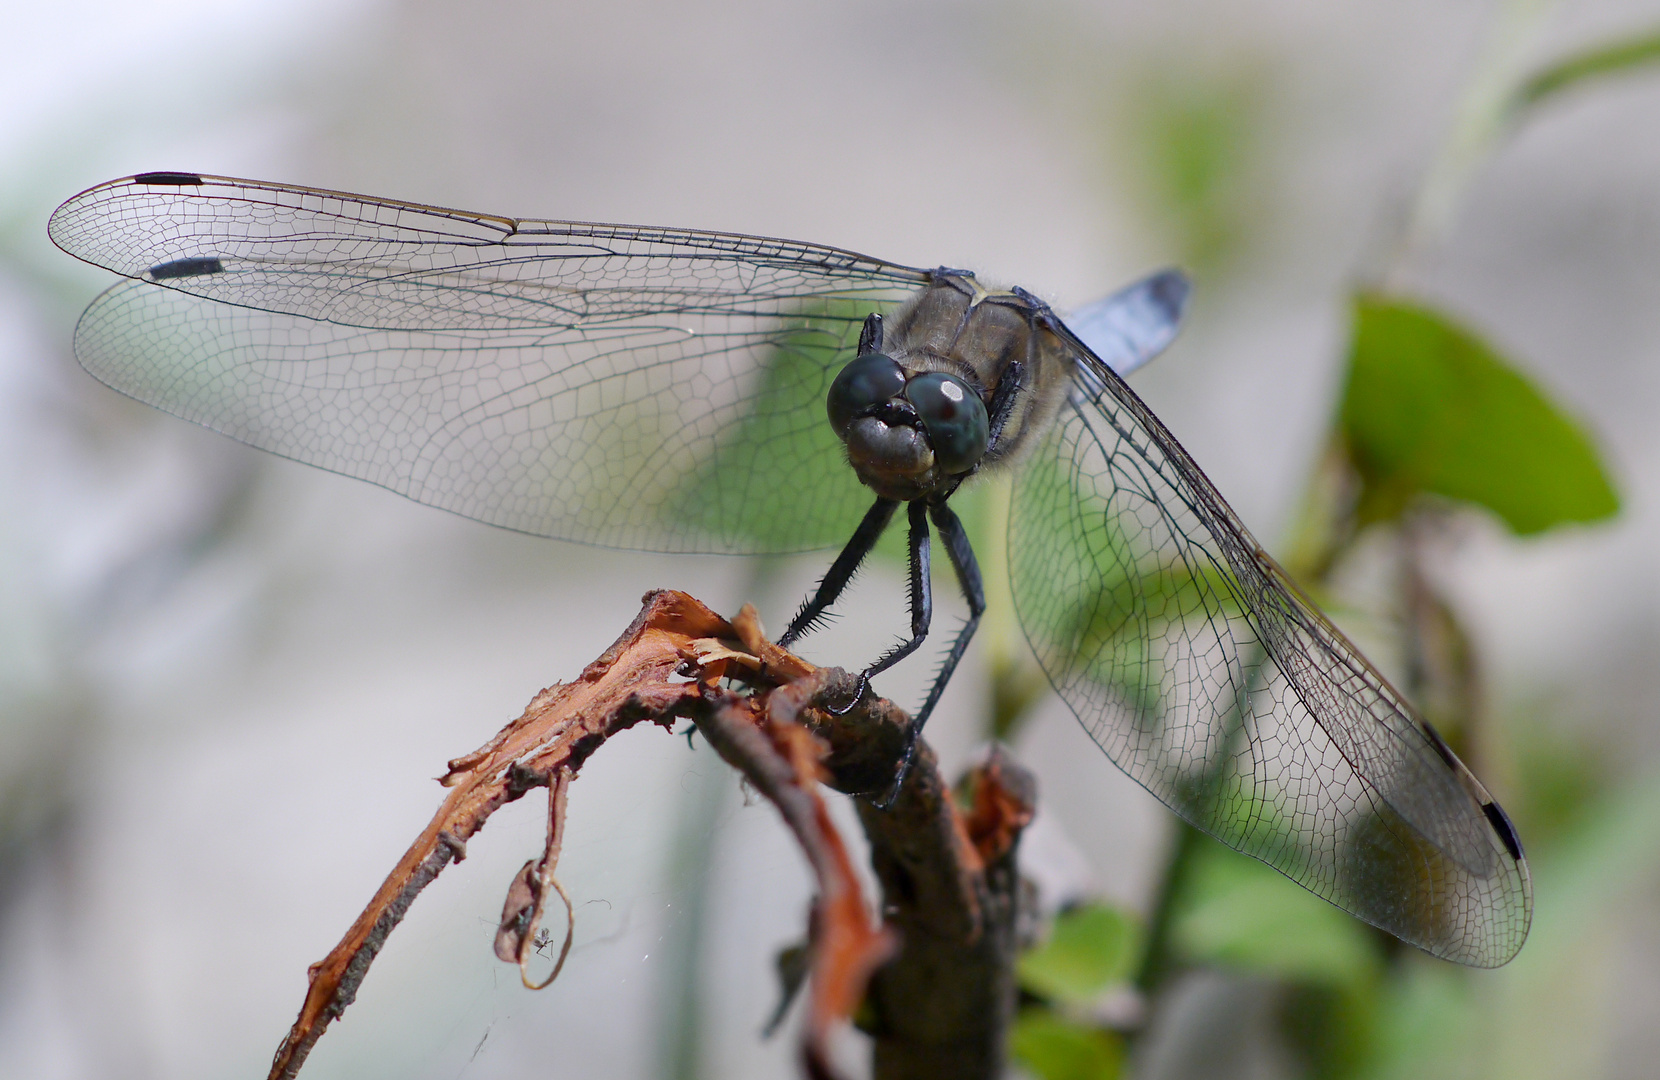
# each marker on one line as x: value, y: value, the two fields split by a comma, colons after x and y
x: 1135, y: 324
x: 634, y: 387
x: 1204, y: 674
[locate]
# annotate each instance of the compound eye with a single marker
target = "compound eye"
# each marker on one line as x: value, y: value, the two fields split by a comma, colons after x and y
x: 866, y: 381
x: 954, y: 417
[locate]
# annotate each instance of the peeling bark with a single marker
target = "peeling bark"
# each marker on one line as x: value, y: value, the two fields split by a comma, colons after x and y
x: 944, y: 997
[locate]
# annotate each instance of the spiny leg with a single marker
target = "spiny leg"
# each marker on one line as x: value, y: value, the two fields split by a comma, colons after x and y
x: 1002, y: 405
x: 922, y: 593
x: 921, y: 603
x: 842, y: 570
x: 961, y: 553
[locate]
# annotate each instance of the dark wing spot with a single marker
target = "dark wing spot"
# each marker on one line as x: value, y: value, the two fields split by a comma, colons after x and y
x: 1501, y: 825
x: 193, y: 267
x: 168, y: 179
x: 1170, y: 290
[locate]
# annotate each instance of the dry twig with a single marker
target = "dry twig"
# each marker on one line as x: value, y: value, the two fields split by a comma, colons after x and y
x: 947, y: 881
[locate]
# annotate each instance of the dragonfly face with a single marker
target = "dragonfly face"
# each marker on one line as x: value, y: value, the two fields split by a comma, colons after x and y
x: 963, y: 353
x: 666, y: 389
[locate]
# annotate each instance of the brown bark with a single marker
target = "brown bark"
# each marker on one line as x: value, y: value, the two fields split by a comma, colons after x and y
x: 940, y: 1006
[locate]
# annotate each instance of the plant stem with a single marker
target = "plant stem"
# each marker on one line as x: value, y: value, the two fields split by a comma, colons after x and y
x: 1158, y: 959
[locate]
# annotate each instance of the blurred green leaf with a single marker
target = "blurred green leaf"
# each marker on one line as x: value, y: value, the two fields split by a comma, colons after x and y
x: 1241, y: 913
x: 1089, y: 948
x: 1558, y: 774
x: 1429, y: 407
x: 1429, y: 1024
x: 1612, y: 849
x: 1196, y: 137
x: 749, y: 494
x: 1554, y: 1010
x: 1051, y: 1047
x: 1333, y: 1029
x: 1612, y: 58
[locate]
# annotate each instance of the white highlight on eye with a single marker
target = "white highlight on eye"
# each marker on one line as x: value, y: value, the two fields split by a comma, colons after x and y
x: 951, y: 390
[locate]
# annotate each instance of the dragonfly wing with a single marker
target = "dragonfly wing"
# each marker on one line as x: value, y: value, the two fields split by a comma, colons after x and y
x: 648, y: 388
x: 1202, y: 672
x: 1135, y: 324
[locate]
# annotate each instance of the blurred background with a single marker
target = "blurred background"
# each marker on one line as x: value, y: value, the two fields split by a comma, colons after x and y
x: 226, y: 680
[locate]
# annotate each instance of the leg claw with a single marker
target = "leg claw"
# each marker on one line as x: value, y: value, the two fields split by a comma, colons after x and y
x: 858, y: 695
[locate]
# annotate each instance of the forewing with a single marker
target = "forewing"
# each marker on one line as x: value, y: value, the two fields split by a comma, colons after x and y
x: 635, y: 387
x: 1204, y: 674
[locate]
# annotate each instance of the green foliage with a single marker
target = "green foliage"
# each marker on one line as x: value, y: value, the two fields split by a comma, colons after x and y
x: 1332, y: 1028
x: 1612, y: 848
x: 1558, y: 773
x: 1427, y: 1025
x: 749, y: 494
x: 1051, y: 1047
x: 1240, y: 913
x: 1431, y: 408
x: 1613, y: 58
x: 1196, y: 137
x: 1558, y: 995
x: 1089, y: 948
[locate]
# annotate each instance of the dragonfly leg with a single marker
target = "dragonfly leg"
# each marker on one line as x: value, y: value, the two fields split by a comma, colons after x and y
x: 921, y: 602
x: 870, y: 335
x: 841, y: 571
x: 1002, y: 404
x: 922, y: 593
x: 961, y: 553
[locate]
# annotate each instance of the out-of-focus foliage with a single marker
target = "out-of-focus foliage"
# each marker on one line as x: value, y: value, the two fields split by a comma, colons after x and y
x: 1050, y: 1047
x: 1431, y: 408
x: 1238, y: 914
x: 1544, y: 1015
x: 1197, y: 143
x: 1428, y: 408
x: 1558, y: 774
x: 1089, y: 948
x: 1242, y: 913
x: 1613, y: 58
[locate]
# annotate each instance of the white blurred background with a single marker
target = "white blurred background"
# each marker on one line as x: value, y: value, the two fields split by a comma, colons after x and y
x: 226, y: 681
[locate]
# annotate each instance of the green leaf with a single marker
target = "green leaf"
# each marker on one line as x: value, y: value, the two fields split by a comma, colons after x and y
x: 1241, y: 913
x: 1089, y: 948
x: 749, y: 495
x: 1613, y: 58
x: 1053, y: 1048
x: 1431, y: 408
x: 1197, y: 140
x: 1429, y: 1023
x: 1554, y: 1010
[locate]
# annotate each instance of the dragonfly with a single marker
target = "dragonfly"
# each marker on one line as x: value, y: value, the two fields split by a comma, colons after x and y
x: 687, y: 391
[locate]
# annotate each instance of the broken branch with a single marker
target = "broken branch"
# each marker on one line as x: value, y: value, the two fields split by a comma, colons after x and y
x: 947, y: 882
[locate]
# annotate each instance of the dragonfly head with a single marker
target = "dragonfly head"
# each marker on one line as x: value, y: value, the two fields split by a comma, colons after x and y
x: 907, y: 433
